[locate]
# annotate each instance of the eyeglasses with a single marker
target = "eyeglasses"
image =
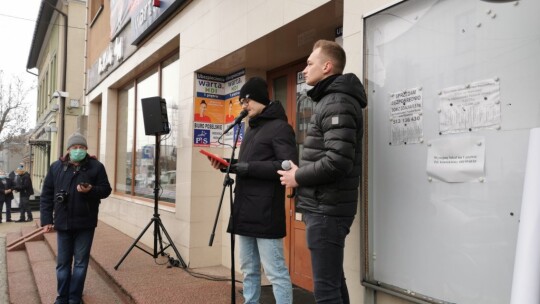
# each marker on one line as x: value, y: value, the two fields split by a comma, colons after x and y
x: 244, y: 101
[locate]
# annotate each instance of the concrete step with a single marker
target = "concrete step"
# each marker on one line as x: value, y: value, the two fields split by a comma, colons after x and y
x: 139, y: 279
x: 21, y: 284
x: 43, y: 265
x: 32, y: 274
x: 98, y: 287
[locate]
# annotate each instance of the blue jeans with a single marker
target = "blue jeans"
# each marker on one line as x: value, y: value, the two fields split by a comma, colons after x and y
x: 326, y: 241
x: 253, y: 251
x: 73, y: 246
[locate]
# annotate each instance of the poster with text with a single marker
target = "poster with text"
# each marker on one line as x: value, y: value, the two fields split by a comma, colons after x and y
x: 471, y: 107
x: 215, y: 108
x: 234, y: 83
x: 406, y: 117
x: 456, y: 160
x: 208, y: 110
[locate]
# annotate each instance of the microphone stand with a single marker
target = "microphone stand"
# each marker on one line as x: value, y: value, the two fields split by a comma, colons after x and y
x: 228, y: 182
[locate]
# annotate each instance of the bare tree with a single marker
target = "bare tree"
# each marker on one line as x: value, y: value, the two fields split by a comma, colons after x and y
x: 14, y: 109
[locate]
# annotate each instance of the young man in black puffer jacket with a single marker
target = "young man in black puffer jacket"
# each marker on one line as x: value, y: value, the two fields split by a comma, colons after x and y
x: 330, y: 167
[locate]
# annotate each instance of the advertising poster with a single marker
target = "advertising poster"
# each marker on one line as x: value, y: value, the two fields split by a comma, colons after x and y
x: 234, y: 82
x: 215, y: 108
x: 208, y: 110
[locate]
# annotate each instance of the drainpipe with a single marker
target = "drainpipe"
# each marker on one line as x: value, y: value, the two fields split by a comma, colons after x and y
x: 64, y: 76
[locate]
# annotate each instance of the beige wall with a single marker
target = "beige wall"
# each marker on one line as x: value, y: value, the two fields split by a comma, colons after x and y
x: 98, y: 34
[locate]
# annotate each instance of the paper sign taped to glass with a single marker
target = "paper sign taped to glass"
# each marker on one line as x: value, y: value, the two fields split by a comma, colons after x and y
x: 456, y: 160
x: 470, y: 107
x: 406, y: 125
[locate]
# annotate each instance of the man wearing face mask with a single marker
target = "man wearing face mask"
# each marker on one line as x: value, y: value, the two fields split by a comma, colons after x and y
x: 69, y: 203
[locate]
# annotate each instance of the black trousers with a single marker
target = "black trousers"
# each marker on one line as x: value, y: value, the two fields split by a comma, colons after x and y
x: 326, y: 241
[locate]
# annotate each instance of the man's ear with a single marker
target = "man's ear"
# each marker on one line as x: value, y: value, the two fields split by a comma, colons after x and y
x: 328, y: 67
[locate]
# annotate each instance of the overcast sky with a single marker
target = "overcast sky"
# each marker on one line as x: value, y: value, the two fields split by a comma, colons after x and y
x: 17, y: 24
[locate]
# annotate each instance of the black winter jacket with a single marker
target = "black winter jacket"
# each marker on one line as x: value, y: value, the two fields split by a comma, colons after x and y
x: 330, y: 167
x: 259, y: 203
x: 23, y: 184
x: 79, y: 210
x: 6, y: 184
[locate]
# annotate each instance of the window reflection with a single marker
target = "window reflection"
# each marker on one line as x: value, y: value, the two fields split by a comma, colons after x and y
x: 135, y: 172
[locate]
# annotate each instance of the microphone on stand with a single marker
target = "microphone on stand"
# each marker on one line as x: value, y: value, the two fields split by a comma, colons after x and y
x: 236, y: 121
x: 286, y: 165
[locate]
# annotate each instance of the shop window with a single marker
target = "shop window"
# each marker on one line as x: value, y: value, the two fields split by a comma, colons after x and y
x: 135, y: 172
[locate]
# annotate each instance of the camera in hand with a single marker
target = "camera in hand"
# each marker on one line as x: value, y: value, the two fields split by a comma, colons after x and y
x: 61, y: 196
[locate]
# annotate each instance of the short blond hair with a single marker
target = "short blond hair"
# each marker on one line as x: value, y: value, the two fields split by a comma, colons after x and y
x: 334, y: 52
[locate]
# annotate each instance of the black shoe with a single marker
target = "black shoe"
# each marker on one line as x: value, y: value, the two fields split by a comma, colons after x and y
x: 30, y: 220
x: 20, y: 221
x: 9, y: 220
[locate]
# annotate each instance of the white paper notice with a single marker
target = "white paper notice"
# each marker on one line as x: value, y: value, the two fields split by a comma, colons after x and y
x: 470, y: 107
x: 456, y: 160
x: 406, y: 117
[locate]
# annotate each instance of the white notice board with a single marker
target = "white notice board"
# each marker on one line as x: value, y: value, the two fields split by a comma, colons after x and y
x: 452, y: 96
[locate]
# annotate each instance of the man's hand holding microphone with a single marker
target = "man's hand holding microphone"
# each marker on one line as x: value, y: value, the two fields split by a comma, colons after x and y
x: 287, y: 174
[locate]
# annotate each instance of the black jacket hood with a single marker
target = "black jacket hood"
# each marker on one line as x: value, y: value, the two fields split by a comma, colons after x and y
x: 347, y: 83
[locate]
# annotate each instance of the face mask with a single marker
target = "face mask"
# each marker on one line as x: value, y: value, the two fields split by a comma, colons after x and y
x: 77, y: 155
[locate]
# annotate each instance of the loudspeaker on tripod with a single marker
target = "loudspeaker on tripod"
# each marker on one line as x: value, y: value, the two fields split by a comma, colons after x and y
x: 155, y: 116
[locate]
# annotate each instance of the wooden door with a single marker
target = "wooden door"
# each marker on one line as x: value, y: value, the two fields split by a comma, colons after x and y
x: 284, y: 87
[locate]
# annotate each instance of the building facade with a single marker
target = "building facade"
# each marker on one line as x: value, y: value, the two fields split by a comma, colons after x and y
x: 56, y: 57
x: 111, y: 68
x: 187, y: 52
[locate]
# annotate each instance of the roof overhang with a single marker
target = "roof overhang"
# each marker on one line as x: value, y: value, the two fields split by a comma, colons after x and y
x: 45, y: 15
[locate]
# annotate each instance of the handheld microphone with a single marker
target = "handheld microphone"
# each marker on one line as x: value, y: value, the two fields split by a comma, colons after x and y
x: 286, y: 165
x: 236, y: 121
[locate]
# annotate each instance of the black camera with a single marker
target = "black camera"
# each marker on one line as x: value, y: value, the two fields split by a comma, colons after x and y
x: 61, y: 196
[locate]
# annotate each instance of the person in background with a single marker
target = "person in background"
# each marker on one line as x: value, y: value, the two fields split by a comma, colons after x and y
x: 69, y: 201
x: 259, y: 203
x: 6, y: 195
x: 330, y: 167
x: 23, y: 185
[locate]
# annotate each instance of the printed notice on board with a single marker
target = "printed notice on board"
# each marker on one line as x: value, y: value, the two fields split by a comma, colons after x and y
x: 456, y: 160
x: 471, y: 107
x: 406, y: 117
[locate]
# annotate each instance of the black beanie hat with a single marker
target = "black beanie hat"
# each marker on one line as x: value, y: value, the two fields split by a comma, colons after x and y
x: 255, y: 89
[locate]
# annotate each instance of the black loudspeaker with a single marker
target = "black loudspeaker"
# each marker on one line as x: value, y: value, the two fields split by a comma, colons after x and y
x: 154, y: 111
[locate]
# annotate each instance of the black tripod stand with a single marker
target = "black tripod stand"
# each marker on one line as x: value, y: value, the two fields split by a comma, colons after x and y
x: 228, y: 182
x: 156, y: 220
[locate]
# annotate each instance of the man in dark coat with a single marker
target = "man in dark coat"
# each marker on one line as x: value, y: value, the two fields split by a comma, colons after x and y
x: 23, y: 185
x: 259, y: 204
x: 70, y: 200
x: 330, y: 167
x: 6, y: 195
